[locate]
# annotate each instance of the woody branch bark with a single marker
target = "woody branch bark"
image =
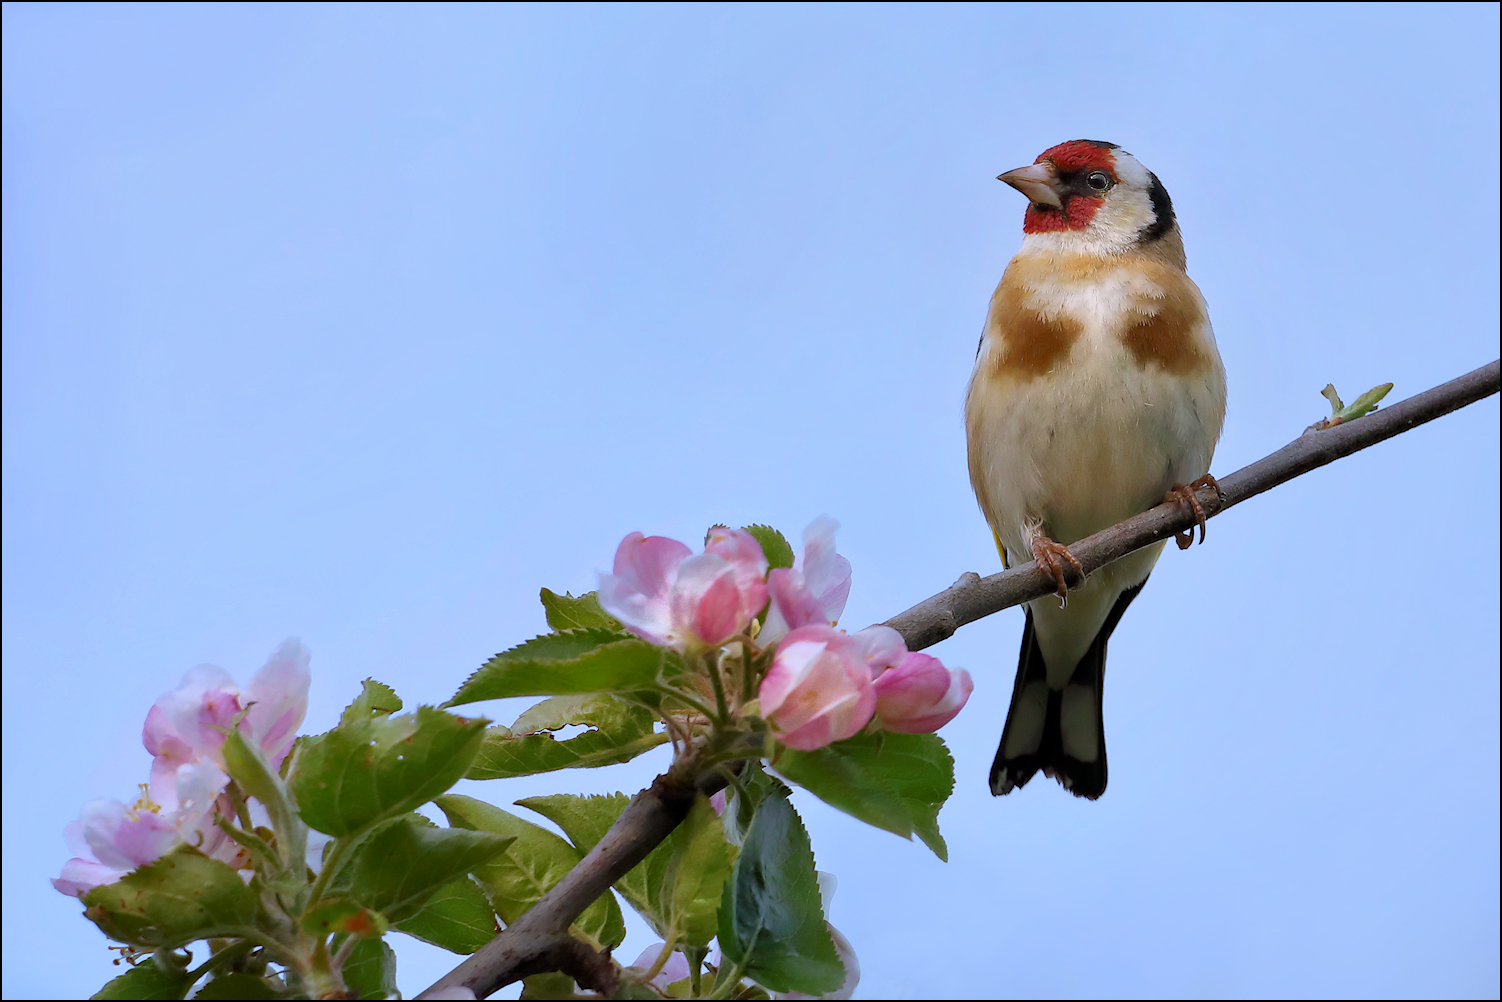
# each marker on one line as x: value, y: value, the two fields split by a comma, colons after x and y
x: 973, y: 597
x: 540, y: 941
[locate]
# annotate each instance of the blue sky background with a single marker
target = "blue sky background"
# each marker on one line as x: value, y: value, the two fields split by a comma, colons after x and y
x: 361, y: 323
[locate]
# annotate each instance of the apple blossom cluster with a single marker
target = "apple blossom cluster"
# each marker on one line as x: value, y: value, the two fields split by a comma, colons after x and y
x: 292, y: 859
x: 823, y: 684
x: 185, y: 732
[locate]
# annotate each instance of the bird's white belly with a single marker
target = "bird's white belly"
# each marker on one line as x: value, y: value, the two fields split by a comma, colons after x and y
x: 1097, y: 440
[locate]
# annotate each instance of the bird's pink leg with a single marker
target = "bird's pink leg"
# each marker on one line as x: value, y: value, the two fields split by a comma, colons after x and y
x: 1047, y: 554
x: 1185, y: 496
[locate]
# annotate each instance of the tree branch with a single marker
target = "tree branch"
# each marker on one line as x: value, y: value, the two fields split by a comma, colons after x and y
x: 973, y: 597
x: 540, y: 941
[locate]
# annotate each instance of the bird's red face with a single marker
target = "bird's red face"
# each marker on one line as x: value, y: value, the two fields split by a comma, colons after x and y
x: 1094, y: 189
x: 1066, y: 186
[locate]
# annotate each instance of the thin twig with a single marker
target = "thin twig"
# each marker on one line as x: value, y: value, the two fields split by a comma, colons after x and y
x: 539, y: 941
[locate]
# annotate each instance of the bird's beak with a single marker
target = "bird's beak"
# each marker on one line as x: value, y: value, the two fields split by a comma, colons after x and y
x: 1036, y: 182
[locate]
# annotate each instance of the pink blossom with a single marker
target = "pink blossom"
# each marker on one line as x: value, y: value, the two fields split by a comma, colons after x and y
x: 813, y: 590
x: 664, y: 595
x: 190, y: 722
x: 920, y: 695
x: 110, y: 839
x: 184, y: 732
x: 676, y: 968
x: 819, y: 687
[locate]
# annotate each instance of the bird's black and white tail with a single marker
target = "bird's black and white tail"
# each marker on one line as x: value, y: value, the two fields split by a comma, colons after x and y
x: 1061, y: 731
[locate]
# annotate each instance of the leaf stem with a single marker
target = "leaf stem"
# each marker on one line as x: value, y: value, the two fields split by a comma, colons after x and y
x: 688, y: 701
x: 712, y: 662
x: 724, y: 985
x: 331, y: 864
x: 251, y: 841
x: 228, y: 953
x: 342, y: 954
x: 748, y: 677
x: 241, y: 802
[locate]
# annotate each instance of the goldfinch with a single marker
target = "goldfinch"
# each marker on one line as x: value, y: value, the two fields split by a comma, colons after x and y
x: 1097, y: 391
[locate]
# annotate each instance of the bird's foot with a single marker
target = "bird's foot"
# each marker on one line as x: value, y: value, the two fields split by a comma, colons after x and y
x: 1185, y: 496
x: 1050, y: 558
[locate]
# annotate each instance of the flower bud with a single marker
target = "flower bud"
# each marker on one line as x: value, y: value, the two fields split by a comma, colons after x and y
x: 819, y: 687
x: 920, y: 695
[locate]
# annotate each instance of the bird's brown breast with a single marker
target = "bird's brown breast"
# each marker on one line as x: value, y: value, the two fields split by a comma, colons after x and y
x: 1028, y: 342
x: 1155, y: 311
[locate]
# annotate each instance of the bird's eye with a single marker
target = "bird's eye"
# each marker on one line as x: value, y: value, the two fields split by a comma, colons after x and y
x: 1099, y: 180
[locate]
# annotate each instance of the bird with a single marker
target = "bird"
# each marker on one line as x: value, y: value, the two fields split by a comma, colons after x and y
x: 1098, y: 391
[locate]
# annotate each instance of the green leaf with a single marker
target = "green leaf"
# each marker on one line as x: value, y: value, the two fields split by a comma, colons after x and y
x: 457, y: 918
x: 1366, y: 403
x: 247, y: 764
x: 237, y: 986
x: 558, y: 712
x: 773, y: 544
x: 584, y: 819
x: 562, y: 664
x: 363, y: 772
x: 565, y: 612
x: 695, y: 874
x: 376, y: 699
x: 517, y: 879
x: 897, y: 782
x: 771, y: 919
x: 619, y: 732
x: 400, y: 867
x: 370, y: 970
x: 147, y: 981
x: 745, y: 796
x: 1341, y: 412
x: 342, y: 914
x: 176, y: 899
x: 677, y: 887
x: 840, y: 781
x: 919, y: 768
x: 552, y: 985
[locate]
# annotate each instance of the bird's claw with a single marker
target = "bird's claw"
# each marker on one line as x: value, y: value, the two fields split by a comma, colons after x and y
x: 1185, y: 496
x: 1047, y: 554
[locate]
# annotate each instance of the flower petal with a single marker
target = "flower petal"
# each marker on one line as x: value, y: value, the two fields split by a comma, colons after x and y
x: 826, y: 574
x: 717, y: 616
x: 80, y: 876
x: 740, y: 549
x: 793, y: 606
x: 637, y: 592
x: 203, y: 703
x: 649, y: 563
x: 279, y: 693
x: 880, y: 647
